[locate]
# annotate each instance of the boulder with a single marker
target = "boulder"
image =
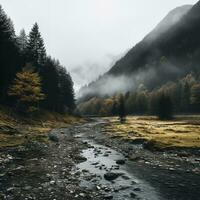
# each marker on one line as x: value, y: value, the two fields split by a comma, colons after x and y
x: 110, y: 176
x: 120, y: 162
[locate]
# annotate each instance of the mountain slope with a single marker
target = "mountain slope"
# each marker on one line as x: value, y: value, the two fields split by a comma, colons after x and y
x: 170, y: 51
x: 172, y: 18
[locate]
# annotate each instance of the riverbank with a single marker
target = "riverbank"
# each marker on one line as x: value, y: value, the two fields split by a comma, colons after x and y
x: 44, y: 171
x: 16, y: 130
x: 174, y: 173
x: 84, y: 161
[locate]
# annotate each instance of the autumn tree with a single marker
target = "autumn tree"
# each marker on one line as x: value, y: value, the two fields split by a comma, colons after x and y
x: 27, y: 91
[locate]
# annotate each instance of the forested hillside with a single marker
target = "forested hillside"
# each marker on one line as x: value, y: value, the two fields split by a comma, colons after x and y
x: 29, y: 78
x: 169, y: 52
x: 166, y: 62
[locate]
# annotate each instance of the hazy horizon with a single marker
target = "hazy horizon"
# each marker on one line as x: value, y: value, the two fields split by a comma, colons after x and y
x: 87, y: 37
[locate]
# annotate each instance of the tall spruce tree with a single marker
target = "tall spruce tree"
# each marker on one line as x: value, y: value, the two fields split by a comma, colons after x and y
x: 122, y: 112
x: 50, y: 84
x: 165, y: 107
x: 195, y: 97
x: 36, y: 52
x: 22, y: 41
x: 67, y: 99
x: 9, y: 54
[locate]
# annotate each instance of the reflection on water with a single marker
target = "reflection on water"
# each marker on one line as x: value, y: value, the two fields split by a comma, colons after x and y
x: 101, y: 160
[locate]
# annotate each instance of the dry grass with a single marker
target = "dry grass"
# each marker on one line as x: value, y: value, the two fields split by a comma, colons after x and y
x: 16, y: 130
x: 184, y: 131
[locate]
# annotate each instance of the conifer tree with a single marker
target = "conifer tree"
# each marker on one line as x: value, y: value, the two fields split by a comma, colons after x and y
x: 122, y: 112
x: 195, y: 97
x: 67, y: 98
x: 165, y: 107
x: 36, y: 52
x: 9, y: 54
x: 185, y: 98
x: 22, y: 41
x: 114, y: 109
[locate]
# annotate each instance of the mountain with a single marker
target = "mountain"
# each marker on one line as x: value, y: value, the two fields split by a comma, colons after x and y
x: 170, y: 51
x: 171, y: 19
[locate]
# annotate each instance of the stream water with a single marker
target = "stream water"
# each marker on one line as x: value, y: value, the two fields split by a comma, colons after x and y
x: 102, y: 160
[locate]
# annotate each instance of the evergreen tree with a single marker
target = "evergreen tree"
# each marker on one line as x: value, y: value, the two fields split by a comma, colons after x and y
x: 195, y: 97
x: 50, y: 84
x: 122, y: 112
x: 9, y: 54
x: 114, y: 110
x: 57, y: 86
x: 22, y: 41
x: 36, y: 52
x: 165, y: 107
x: 185, y: 99
x: 67, y: 98
x: 7, y: 31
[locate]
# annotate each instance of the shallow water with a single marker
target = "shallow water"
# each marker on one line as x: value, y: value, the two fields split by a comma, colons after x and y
x: 101, y: 160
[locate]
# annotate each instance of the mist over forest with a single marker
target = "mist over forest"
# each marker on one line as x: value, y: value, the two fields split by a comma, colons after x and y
x: 165, y: 57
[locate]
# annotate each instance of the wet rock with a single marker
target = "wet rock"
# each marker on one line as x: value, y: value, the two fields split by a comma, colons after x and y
x: 111, y: 176
x: 82, y: 195
x: 125, y: 177
x: 52, y: 182
x: 137, y: 189
x: 134, y: 158
x: 133, y: 183
x: 80, y: 158
x: 85, y: 171
x: 95, y: 163
x: 183, y: 154
x: 133, y: 195
x: 10, y: 189
x: 124, y: 187
x: 108, y: 197
x: 120, y: 162
x: 53, y: 137
x: 98, y: 187
x: 27, y: 188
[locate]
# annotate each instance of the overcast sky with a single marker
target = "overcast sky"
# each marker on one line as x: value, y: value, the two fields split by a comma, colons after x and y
x: 88, y: 35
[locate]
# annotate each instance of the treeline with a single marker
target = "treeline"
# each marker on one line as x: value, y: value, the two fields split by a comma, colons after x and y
x: 29, y: 78
x: 179, y: 97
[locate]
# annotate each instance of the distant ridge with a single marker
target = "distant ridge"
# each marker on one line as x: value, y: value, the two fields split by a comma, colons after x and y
x: 170, y: 51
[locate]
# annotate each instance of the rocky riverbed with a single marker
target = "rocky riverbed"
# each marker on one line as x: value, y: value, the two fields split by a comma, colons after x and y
x: 174, y: 174
x: 39, y: 171
x: 82, y: 162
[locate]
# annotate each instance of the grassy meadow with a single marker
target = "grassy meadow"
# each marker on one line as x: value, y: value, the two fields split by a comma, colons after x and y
x: 183, y: 131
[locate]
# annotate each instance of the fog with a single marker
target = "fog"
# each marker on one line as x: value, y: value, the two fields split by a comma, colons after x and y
x: 146, y: 78
x: 87, y: 36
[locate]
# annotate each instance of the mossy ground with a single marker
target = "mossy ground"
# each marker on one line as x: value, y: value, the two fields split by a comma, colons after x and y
x: 182, y: 132
x: 16, y: 130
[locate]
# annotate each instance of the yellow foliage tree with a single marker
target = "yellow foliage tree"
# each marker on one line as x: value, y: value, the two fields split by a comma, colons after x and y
x: 27, y: 89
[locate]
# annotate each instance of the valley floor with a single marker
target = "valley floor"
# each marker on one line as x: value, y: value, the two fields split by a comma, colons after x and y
x: 77, y: 161
x: 182, y: 132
